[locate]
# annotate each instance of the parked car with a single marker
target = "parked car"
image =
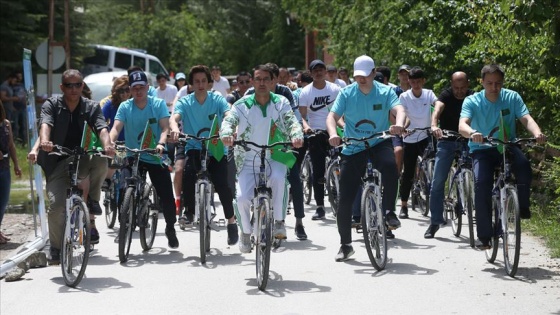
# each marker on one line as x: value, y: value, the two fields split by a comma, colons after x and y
x: 101, y: 83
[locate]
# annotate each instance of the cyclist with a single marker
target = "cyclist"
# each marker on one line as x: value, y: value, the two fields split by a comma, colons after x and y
x: 445, y: 116
x: 483, y: 111
x: 196, y: 111
x: 133, y: 115
x: 315, y: 101
x: 417, y: 103
x: 62, y: 123
x: 365, y: 106
x: 252, y: 117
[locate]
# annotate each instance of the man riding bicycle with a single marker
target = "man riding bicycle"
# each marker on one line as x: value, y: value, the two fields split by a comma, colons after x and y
x: 365, y: 106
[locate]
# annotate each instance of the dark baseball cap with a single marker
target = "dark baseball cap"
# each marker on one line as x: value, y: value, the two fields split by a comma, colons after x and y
x: 405, y: 68
x: 379, y: 77
x: 316, y: 63
x: 331, y: 68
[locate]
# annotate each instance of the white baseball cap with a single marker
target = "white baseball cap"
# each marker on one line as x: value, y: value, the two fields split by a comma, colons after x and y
x: 363, y: 66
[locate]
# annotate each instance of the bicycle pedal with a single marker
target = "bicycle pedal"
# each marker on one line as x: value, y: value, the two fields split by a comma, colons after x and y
x: 222, y: 222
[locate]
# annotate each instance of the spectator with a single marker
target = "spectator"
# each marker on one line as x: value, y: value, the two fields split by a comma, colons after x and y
x: 220, y: 83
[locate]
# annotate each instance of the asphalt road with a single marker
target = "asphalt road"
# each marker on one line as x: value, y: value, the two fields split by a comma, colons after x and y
x: 442, y: 276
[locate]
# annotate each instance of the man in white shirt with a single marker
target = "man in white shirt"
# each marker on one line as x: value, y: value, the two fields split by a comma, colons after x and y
x: 166, y: 92
x: 332, y: 76
x: 221, y: 84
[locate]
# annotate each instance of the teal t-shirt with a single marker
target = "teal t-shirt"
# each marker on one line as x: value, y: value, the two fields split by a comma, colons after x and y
x: 364, y: 114
x: 134, y: 120
x: 485, y: 115
x: 197, y: 118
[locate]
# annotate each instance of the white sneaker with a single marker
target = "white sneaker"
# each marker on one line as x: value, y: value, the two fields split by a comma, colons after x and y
x: 245, y: 243
x: 279, y: 230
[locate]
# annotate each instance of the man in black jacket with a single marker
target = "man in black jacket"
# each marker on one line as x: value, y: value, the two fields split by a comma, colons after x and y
x: 62, y: 123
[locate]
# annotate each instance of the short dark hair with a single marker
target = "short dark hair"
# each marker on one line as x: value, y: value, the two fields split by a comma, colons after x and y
x: 416, y: 73
x: 386, y: 71
x: 161, y: 75
x: 265, y: 68
x: 306, y: 77
x: 243, y: 74
x: 200, y: 69
x: 274, y: 68
x: 492, y: 68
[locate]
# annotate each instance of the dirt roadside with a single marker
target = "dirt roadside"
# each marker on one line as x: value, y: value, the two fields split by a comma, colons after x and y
x: 20, y: 228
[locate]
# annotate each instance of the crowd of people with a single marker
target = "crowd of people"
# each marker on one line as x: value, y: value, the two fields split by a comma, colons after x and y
x: 315, y: 101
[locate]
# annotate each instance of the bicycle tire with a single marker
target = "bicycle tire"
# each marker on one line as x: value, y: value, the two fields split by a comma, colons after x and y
x: 111, y: 207
x: 126, y: 222
x: 453, y: 203
x: 468, y: 190
x: 494, y: 241
x: 424, y: 194
x: 202, y: 205
x: 511, y: 226
x: 332, y: 186
x: 306, y: 178
x: 149, y: 218
x: 263, y: 242
x: 415, y: 190
x: 374, y: 230
x: 76, y: 244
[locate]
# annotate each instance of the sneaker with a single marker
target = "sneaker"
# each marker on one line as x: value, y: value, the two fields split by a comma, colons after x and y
x: 94, y: 234
x: 392, y: 221
x: 389, y: 234
x: 319, y: 214
x: 172, y: 240
x: 300, y: 232
x: 94, y: 207
x: 431, y: 231
x: 186, y: 219
x: 279, y: 230
x: 55, y: 256
x: 356, y: 222
x: 483, y: 245
x: 245, y: 243
x: 344, y: 253
x: 404, y: 213
x: 232, y: 234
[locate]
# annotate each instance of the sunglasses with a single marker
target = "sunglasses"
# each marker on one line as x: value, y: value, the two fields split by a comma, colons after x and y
x: 124, y: 90
x: 243, y: 82
x: 73, y: 85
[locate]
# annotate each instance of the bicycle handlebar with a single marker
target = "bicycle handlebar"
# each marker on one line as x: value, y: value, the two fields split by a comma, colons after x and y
x: 183, y: 137
x: 244, y: 144
x: 381, y: 135
x: 64, y: 151
x: 139, y: 151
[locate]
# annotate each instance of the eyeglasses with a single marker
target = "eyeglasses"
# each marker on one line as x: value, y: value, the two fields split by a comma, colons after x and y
x: 76, y: 85
x: 123, y: 90
x: 243, y: 82
x: 265, y: 80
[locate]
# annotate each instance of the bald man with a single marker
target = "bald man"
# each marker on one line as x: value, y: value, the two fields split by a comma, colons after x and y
x: 445, y: 116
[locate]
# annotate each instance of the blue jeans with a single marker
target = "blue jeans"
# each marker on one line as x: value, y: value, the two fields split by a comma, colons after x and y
x: 5, y: 179
x: 484, y: 163
x: 444, y: 159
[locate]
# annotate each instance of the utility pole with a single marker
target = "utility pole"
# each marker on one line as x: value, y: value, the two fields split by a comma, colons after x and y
x: 52, y: 42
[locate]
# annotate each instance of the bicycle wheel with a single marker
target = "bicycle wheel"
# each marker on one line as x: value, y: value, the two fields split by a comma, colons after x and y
x: 468, y: 191
x: 373, y: 229
x: 126, y: 222
x: 423, y: 197
x: 203, y: 225
x: 453, y: 203
x: 263, y: 242
x: 493, y: 251
x: 306, y: 179
x: 148, y: 217
x: 75, y: 248
x: 332, y: 185
x: 110, y: 203
x: 511, y: 225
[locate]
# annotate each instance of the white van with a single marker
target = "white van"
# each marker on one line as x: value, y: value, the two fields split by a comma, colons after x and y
x: 110, y: 58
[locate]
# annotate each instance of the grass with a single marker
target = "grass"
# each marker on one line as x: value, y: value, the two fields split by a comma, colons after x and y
x: 21, y: 153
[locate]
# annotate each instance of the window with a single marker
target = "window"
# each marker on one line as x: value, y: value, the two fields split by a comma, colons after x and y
x: 122, y: 61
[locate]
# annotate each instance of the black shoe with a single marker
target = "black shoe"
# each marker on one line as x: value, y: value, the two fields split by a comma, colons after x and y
x: 525, y: 213
x: 392, y: 222
x: 319, y: 214
x: 94, y: 235
x: 106, y: 184
x: 431, y: 231
x: 94, y: 207
x: 483, y: 245
x: 344, y: 253
x: 172, y: 240
x: 300, y: 232
x: 389, y: 234
x: 55, y: 256
x: 232, y: 234
x: 356, y: 222
x: 404, y: 213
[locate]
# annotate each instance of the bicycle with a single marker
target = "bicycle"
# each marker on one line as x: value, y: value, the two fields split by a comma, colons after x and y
x: 459, y: 198
x: 423, y: 177
x: 76, y: 243
x: 506, y: 221
x: 112, y: 194
x: 140, y: 206
x: 374, y: 227
x: 204, y: 209
x: 306, y: 175
x: 262, y: 217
